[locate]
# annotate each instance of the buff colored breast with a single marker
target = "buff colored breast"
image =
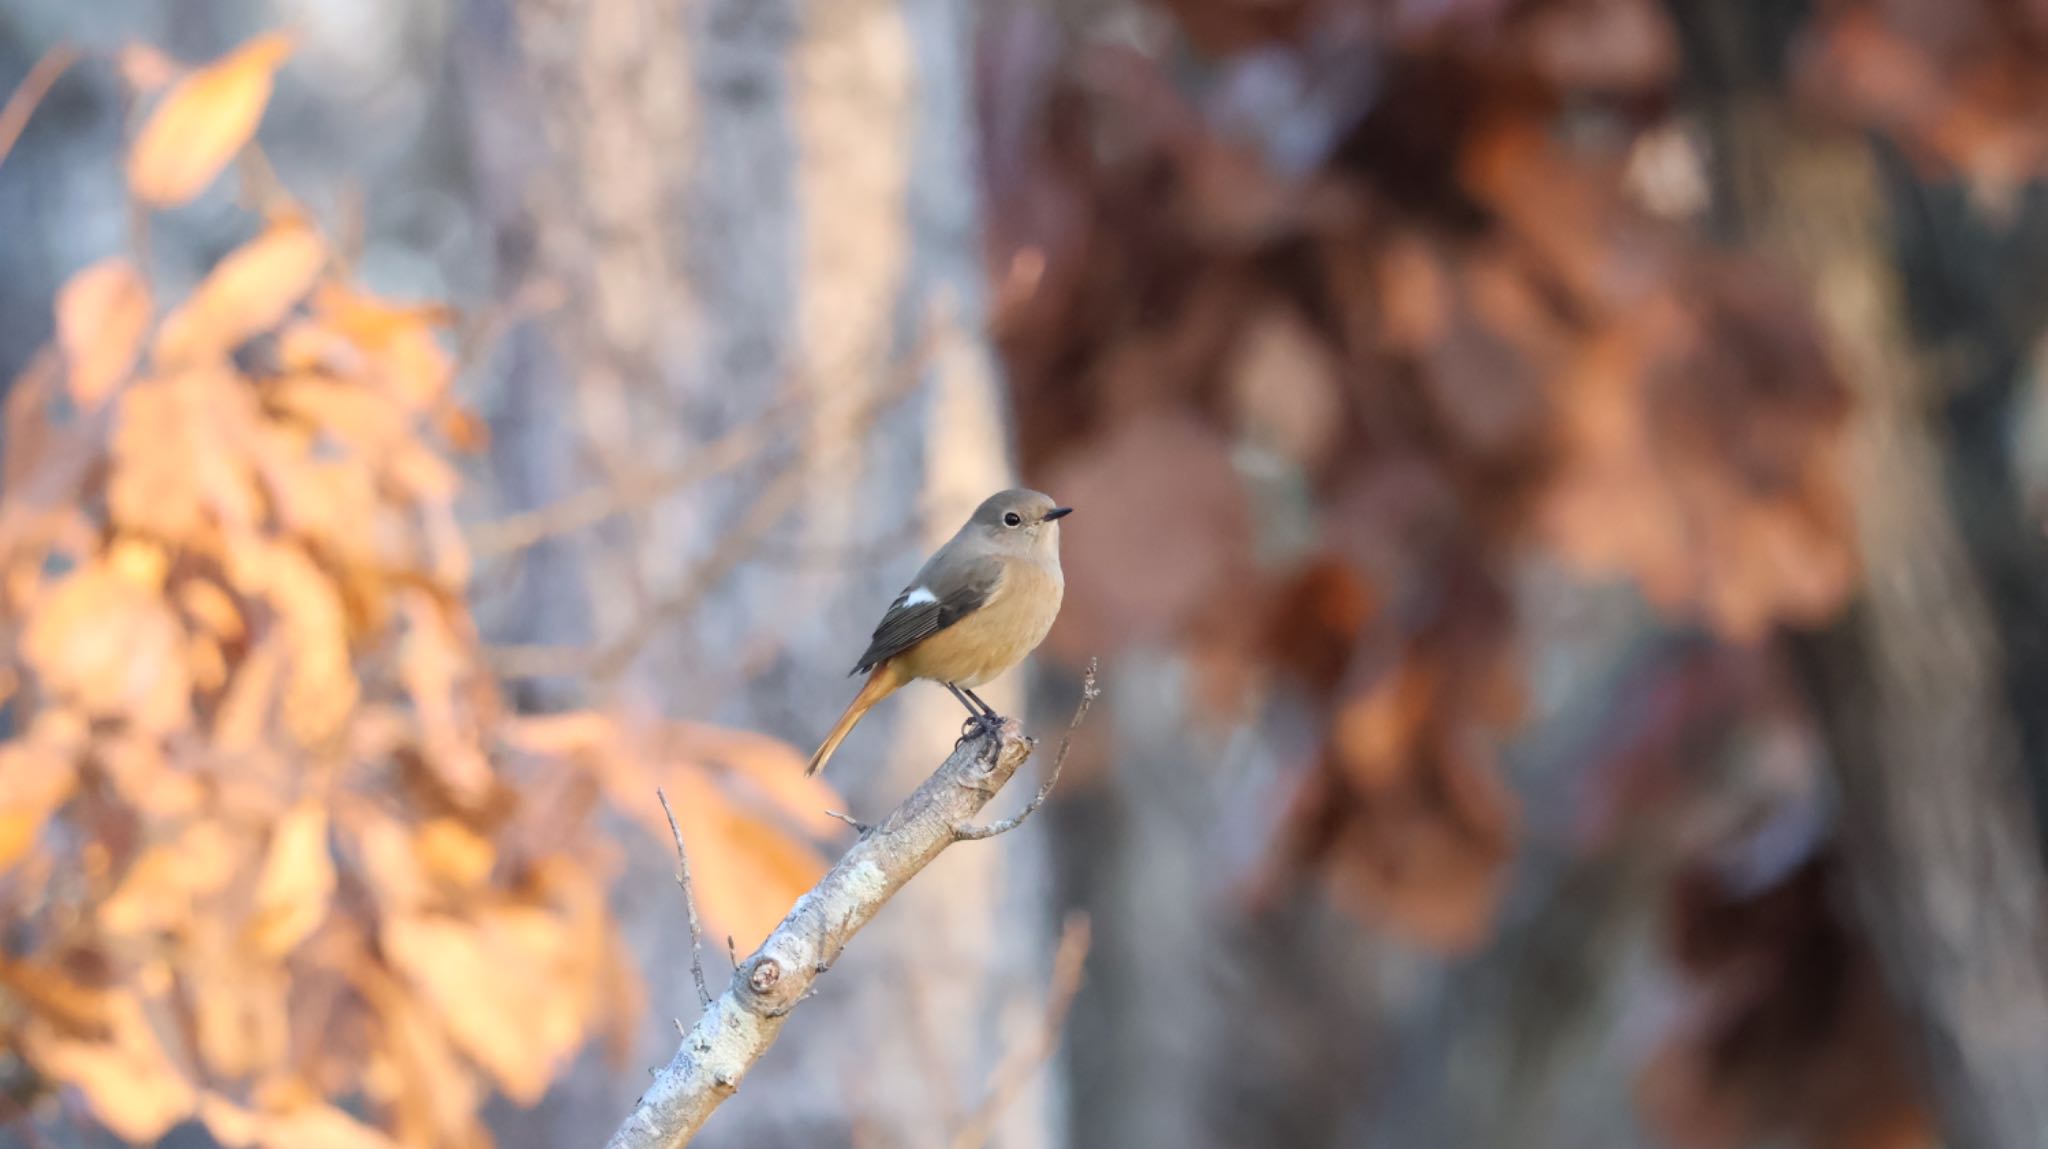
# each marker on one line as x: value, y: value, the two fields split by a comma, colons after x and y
x: 998, y: 636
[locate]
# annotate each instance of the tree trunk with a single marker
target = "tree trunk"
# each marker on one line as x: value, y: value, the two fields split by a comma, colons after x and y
x: 749, y: 203
x: 1942, y: 847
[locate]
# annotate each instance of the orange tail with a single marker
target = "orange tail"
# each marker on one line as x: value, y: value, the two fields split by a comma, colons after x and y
x: 881, y: 683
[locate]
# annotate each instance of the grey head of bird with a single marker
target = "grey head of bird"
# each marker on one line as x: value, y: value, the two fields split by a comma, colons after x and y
x: 1018, y: 520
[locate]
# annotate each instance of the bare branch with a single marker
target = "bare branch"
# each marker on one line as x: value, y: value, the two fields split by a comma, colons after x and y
x: 588, y: 508
x: 722, y: 456
x: 859, y: 827
x: 1016, y: 1068
x: 1089, y: 693
x: 30, y: 92
x: 689, y: 903
x: 738, y: 1027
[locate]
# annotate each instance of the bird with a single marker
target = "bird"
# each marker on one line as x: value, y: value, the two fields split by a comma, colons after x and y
x: 974, y: 610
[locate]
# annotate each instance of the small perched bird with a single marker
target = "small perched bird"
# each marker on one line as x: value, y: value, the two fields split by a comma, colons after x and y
x: 976, y: 608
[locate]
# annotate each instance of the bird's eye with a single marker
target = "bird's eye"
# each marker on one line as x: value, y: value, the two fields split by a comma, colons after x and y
x: 1012, y: 519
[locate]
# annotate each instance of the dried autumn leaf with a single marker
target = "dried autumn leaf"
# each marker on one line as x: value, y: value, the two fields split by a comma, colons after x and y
x: 103, y: 314
x: 128, y: 1081
x: 496, y: 1007
x: 321, y: 687
x: 435, y: 667
x: 746, y: 870
x: 113, y: 647
x: 454, y: 853
x: 37, y: 784
x: 180, y: 453
x: 768, y: 770
x: 239, y: 1001
x: 249, y: 293
x: 203, y: 121
x: 407, y: 361
x: 297, y: 883
x: 158, y: 892
x: 432, y: 1092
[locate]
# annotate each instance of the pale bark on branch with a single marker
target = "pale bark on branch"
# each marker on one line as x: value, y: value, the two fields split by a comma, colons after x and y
x: 737, y: 1028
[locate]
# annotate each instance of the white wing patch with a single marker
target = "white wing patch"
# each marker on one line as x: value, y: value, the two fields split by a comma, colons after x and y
x: 919, y: 596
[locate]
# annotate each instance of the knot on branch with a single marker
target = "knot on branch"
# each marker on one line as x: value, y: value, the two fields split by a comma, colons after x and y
x: 765, y: 986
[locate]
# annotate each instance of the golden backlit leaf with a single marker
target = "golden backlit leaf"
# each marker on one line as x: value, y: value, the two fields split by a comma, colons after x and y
x: 158, y: 891
x: 180, y: 452
x: 103, y: 314
x: 364, y: 419
x: 113, y: 647
x: 746, y: 871
x: 435, y: 667
x: 385, y: 857
x: 127, y: 1080
x: 208, y: 604
x: 38, y: 783
x: 203, y: 121
x: 454, y: 854
x: 249, y: 293
x: 135, y: 762
x: 238, y: 1001
x: 431, y: 1091
x: 297, y: 883
x: 244, y: 712
x: 408, y: 360
x: 764, y: 768
x: 321, y: 686
x: 498, y: 1004
x: 328, y: 497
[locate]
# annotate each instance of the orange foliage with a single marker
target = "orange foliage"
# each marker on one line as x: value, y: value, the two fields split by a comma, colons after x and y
x: 269, y: 841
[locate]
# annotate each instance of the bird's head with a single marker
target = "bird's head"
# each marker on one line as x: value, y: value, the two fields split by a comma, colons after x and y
x: 1019, y: 520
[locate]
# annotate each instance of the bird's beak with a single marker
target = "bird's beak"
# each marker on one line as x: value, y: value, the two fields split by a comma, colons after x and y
x: 1058, y: 513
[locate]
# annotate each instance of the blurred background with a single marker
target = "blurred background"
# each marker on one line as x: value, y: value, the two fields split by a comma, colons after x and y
x: 1559, y: 494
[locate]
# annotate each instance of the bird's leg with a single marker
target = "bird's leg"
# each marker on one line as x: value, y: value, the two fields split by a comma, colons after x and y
x: 978, y: 722
x: 986, y: 709
x: 961, y: 697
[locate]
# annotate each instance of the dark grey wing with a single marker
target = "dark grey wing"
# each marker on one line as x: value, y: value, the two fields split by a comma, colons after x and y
x: 908, y: 623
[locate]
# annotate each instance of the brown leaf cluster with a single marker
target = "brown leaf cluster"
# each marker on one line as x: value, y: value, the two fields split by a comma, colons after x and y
x: 1317, y: 405
x: 273, y: 855
x: 1788, y: 1032
x: 1961, y: 85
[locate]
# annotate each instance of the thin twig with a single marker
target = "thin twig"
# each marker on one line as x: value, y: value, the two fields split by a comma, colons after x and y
x: 1089, y: 693
x: 784, y: 492
x: 721, y: 456
x: 1016, y: 1068
x: 689, y: 903
x: 735, y: 546
x: 30, y: 92
x: 588, y: 508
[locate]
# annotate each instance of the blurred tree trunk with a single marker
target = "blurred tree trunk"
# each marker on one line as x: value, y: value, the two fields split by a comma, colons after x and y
x: 748, y: 203
x: 1916, y: 683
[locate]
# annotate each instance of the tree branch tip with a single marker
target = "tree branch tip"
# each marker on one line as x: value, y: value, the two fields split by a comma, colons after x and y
x: 861, y: 828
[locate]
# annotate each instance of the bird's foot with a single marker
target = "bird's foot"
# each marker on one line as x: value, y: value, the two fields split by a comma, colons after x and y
x: 979, y: 726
